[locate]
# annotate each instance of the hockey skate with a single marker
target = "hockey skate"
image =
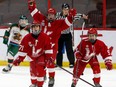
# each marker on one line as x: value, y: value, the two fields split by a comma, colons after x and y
x: 72, y: 85
x: 97, y: 85
x: 71, y: 66
x: 7, y: 68
x: 51, y: 82
x: 33, y: 85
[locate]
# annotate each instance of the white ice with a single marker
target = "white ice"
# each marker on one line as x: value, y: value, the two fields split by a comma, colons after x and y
x: 19, y: 77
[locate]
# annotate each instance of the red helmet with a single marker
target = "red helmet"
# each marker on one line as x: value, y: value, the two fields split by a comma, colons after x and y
x: 35, y: 22
x: 36, y: 31
x: 92, y: 31
x: 51, y: 11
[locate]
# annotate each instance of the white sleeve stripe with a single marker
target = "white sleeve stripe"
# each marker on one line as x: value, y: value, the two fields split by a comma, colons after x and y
x: 67, y: 22
x: 108, y: 58
x: 49, y: 52
x: 21, y: 54
x: 34, y: 11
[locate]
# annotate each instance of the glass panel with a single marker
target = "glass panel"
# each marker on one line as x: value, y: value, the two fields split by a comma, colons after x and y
x: 111, y: 13
x: 91, y: 7
x: 10, y: 10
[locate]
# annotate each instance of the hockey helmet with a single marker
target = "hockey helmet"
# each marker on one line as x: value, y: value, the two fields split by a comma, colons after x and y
x: 92, y: 31
x: 92, y: 35
x: 66, y: 6
x: 23, y: 22
x: 23, y: 17
x: 51, y: 11
x: 36, y: 27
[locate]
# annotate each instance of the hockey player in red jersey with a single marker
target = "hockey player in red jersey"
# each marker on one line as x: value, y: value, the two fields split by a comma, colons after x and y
x: 86, y: 53
x: 37, y: 47
x: 53, y: 28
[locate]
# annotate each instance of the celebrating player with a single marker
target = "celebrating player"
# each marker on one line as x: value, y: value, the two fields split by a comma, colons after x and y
x: 53, y: 28
x: 86, y: 53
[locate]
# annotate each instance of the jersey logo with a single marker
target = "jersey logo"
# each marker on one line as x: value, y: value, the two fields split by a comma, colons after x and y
x: 21, y: 47
x: 36, y: 53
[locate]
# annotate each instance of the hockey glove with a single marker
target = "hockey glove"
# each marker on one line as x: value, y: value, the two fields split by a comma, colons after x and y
x: 78, y: 16
x: 78, y: 55
x: 6, y: 37
x: 108, y: 64
x: 72, y: 12
x: 18, y: 60
x: 31, y: 4
x: 50, y: 61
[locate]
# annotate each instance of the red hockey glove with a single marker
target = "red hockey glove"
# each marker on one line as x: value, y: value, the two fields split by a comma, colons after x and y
x: 78, y: 55
x: 72, y: 12
x: 108, y: 64
x: 18, y: 60
x: 31, y: 4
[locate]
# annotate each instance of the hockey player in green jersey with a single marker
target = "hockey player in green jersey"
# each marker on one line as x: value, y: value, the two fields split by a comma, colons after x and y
x: 12, y: 38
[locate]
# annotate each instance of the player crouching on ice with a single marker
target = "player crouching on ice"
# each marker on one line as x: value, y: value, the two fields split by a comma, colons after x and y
x: 36, y: 46
x: 86, y: 53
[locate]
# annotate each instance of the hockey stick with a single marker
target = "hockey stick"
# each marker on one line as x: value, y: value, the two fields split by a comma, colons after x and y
x: 72, y: 28
x: 72, y: 74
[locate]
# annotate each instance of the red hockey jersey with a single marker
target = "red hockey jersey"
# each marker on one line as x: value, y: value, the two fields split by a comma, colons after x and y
x: 85, y: 48
x: 36, y: 49
x: 53, y: 29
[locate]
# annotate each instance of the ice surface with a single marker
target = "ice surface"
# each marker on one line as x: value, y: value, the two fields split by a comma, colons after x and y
x: 20, y: 77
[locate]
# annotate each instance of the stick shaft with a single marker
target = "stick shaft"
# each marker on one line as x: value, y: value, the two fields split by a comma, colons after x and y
x: 79, y: 78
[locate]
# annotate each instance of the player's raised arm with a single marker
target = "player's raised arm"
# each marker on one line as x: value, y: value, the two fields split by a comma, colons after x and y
x: 34, y: 11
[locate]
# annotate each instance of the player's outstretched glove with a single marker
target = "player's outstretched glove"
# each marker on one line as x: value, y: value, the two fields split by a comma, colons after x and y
x: 31, y: 5
x: 72, y: 12
x: 78, y: 16
x: 108, y: 64
x: 18, y: 60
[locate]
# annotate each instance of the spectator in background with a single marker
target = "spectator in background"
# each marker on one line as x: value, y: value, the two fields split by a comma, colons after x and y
x: 66, y: 38
x: 111, y: 19
x: 95, y: 17
x: 12, y: 39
